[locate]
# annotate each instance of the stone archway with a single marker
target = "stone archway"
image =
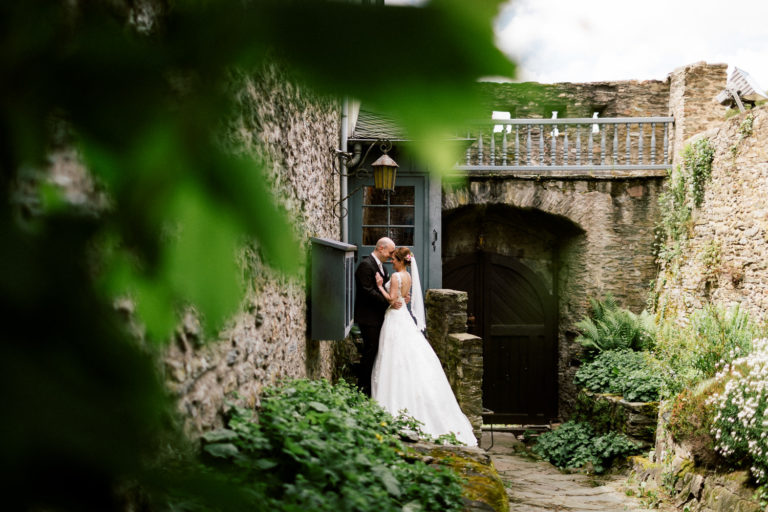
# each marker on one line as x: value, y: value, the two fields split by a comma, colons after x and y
x: 508, y: 260
x: 583, y: 237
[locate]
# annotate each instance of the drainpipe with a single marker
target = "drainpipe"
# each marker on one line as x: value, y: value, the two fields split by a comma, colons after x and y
x: 343, y: 136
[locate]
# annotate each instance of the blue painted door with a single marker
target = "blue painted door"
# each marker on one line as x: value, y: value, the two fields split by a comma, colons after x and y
x: 399, y: 215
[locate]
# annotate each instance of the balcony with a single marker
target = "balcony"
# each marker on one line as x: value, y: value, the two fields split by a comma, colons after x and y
x: 609, y: 147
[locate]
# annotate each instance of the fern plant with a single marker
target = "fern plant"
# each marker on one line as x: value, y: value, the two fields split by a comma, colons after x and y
x: 610, y: 327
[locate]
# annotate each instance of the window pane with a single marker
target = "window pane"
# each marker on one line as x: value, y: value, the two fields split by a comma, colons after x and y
x: 403, y: 195
x: 372, y: 235
x: 401, y: 236
x: 402, y: 215
x: 372, y: 195
x: 375, y: 215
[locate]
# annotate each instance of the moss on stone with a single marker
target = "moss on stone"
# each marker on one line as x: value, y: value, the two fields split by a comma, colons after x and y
x: 481, y: 480
x: 642, y: 462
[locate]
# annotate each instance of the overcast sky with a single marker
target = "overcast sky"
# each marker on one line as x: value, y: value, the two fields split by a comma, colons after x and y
x: 596, y: 40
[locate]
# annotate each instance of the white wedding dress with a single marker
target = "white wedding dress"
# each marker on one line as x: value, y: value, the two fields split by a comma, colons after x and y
x: 408, y: 375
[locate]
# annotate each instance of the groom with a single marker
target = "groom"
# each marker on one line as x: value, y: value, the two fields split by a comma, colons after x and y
x: 370, y: 306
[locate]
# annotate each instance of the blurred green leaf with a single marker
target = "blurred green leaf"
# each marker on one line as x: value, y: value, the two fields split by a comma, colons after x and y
x: 146, y: 110
x: 222, y: 450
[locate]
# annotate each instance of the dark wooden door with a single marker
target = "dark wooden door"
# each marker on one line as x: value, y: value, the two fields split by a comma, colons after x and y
x: 510, y: 307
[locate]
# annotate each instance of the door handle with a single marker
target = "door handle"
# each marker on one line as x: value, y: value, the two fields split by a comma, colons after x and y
x: 434, y: 240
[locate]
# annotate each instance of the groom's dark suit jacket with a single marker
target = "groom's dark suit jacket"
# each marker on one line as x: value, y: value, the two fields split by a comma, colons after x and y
x: 370, y: 304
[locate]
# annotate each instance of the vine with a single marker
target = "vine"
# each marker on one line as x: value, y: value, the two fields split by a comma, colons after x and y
x: 697, y: 159
x: 685, y: 190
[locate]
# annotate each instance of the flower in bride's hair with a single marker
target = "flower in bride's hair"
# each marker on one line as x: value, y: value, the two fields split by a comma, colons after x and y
x: 408, y: 257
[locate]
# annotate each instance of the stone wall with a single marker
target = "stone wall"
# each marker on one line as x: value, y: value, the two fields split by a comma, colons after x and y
x: 460, y: 353
x: 611, y: 413
x: 726, y: 258
x: 268, y: 340
x: 292, y: 129
x: 584, y: 237
x: 692, y: 101
x: 628, y: 98
x: 692, y: 486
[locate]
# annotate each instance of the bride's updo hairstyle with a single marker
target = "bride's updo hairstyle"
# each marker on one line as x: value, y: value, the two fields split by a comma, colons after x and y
x: 403, y: 254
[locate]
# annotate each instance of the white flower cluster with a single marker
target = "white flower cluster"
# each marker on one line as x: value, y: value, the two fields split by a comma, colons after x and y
x: 740, y: 426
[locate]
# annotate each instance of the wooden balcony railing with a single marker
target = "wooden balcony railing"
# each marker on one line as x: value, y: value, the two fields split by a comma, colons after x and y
x: 579, y: 144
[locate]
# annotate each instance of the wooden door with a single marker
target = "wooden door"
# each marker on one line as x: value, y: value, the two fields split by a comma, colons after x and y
x: 515, y: 315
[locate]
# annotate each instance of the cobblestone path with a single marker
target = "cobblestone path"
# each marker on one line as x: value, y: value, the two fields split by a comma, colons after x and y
x: 536, y: 486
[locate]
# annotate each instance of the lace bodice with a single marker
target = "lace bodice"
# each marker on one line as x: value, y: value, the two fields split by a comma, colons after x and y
x: 400, y: 279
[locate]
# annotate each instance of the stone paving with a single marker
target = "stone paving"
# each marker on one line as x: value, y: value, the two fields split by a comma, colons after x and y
x: 537, y: 486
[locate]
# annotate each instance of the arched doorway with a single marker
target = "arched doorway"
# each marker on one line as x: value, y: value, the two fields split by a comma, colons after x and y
x: 512, y: 310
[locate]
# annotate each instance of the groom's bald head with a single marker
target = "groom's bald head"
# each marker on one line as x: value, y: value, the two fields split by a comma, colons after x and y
x: 384, y: 249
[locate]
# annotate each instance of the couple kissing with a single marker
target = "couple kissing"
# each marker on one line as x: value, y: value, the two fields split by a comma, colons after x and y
x: 398, y: 367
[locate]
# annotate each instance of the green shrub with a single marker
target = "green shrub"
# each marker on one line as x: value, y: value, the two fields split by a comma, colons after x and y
x: 328, y: 448
x: 712, y: 338
x: 573, y: 445
x: 610, y: 327
x: 621, y: 372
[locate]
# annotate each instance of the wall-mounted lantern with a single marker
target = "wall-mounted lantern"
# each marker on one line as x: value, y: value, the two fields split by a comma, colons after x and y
x: 384, y: 173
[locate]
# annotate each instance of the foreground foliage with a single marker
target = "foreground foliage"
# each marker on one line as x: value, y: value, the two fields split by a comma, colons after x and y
x: 327, y: 448
x: 141, y: 97
x: 574, y: 445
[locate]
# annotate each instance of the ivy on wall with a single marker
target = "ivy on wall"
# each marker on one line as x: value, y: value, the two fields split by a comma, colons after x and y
x: 685, y: 191
x: 697, y: 161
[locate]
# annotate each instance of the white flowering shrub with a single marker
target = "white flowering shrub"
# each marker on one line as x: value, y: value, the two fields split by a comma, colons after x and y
x: 740, y: 426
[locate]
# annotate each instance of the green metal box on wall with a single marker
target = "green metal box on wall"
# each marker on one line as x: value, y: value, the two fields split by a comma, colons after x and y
x: 332, y: 275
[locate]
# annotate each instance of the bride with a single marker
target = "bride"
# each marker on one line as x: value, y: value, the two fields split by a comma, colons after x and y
x: 407, y: 374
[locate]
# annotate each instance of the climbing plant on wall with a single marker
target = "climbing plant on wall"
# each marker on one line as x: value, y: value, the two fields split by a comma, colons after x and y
x: 684, y: 191
x: 697, y: 159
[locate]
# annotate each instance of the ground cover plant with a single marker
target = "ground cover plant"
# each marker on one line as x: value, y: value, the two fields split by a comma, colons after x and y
x: 574, y: 445
x: 613, y: 339
x: 322, y: 447
x: 621, y: 372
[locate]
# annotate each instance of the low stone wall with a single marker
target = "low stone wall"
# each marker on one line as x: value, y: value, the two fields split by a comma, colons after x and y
x: 637, y: 420
x: 671, y: 469
x: 460, y: 353
x: 691, y: 488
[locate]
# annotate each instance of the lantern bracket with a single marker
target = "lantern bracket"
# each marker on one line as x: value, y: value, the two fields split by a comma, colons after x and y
x: 339, y: 210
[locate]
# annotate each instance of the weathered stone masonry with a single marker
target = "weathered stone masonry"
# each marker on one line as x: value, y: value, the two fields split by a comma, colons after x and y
x: 732, y: 223
x: 268, y: 339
